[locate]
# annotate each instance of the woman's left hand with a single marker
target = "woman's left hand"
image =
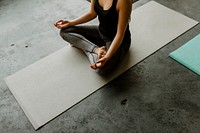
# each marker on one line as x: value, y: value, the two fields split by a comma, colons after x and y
x: 62, y: 24
x: 100, y: 63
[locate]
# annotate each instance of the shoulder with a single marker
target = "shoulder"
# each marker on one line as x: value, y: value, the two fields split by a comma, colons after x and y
x: 124, y: 4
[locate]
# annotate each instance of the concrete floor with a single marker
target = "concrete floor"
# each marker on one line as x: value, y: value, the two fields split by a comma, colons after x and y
x: 156, y: 96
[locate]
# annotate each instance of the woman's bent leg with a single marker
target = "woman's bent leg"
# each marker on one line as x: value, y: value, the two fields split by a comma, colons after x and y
x: 86, y: 38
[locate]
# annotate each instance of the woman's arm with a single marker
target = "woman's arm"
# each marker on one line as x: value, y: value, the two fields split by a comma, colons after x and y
x: 124, y: 8
x: 91, y: 14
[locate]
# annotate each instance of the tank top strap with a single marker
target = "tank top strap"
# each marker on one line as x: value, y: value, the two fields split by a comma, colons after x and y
x: 115, y: 2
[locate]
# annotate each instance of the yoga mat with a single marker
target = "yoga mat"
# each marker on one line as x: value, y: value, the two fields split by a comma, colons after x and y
x: 189, y: 55
x: 55, y: 83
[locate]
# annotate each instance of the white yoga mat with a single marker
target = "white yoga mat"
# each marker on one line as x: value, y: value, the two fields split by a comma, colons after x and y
x: 55, y: 83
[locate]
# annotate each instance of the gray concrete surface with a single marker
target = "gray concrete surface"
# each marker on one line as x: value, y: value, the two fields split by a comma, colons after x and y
x: 156, y: 96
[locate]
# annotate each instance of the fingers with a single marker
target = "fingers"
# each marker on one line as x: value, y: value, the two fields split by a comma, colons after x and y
x: 98, y: 64
x: 100, y: 60
x: 62, y: 22
x: 59, y: 22
x: 59, y: 26
x: 95, y: 65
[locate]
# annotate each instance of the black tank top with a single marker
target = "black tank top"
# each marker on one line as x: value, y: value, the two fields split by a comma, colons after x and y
x: 108, y: 20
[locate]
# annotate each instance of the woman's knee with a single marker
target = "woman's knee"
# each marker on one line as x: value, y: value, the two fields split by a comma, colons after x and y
x: 61, y: 33
x: 64, y: 32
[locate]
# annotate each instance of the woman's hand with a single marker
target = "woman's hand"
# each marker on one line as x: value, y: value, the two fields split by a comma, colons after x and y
x: 100, y: 63
x: 62, y: 24
x: 90, y: 15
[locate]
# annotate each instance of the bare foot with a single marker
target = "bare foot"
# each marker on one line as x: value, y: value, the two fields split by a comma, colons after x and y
x: 101, y: 52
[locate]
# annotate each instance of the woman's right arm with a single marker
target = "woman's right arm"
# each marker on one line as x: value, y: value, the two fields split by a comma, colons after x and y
x: 90, y: 15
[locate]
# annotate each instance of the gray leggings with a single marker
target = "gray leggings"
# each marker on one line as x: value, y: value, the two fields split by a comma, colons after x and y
x: 87, y: 38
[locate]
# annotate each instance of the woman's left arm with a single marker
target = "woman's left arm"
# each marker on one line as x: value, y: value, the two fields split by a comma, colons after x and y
x: 124, y: 8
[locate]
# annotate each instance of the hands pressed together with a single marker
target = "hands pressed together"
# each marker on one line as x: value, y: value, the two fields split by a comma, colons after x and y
x: 101, y: 52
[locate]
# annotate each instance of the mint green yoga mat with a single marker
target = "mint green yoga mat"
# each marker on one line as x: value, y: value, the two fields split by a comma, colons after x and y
x: 189, y: 54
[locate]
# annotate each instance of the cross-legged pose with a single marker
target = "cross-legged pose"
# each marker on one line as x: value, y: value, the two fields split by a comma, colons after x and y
x: 105, y: 44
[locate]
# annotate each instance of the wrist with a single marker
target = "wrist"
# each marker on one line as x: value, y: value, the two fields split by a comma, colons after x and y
x: 107, y: 57
x: 72, y: 23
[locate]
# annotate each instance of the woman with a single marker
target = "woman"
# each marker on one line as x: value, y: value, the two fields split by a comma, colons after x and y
x: 106, y: 44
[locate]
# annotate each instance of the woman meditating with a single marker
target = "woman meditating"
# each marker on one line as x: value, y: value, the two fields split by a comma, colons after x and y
x: 106, y: 44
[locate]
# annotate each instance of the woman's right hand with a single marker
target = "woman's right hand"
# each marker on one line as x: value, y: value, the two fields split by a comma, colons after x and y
x: 62, y: 24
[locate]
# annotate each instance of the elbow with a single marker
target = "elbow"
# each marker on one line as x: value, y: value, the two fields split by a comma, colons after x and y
x: 92, y: 15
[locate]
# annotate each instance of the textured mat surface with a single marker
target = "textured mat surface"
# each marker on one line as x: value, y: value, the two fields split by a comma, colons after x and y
x: 189, y: 55
x: 55, y: 83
